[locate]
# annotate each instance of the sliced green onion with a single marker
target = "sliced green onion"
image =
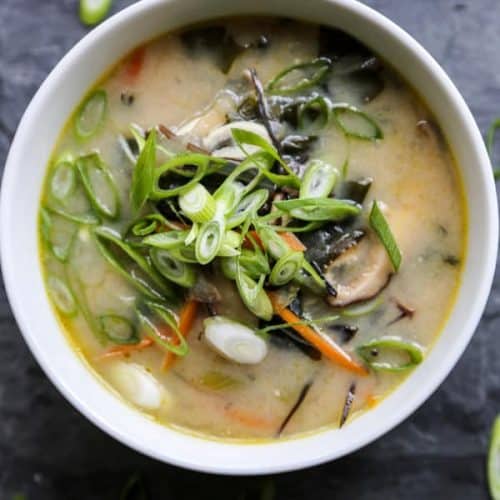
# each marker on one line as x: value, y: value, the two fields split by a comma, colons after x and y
x: 490, y: 145
x: 319, y: 209
x: 185, y: 254
x: 493, y: 471
x: 148, y: 224
x: 209, y: 241
x: 91, y: 114
x: 372, y: 351
x: 138, y: 135
x: 253, y: 294
x: 286, y: 268
x: 85, y: 218
x: 199, y: 161
x: 319, y: 280
x: 229, y: 267
x: 250, y: 204
x: 58, y: 233
x: 299, y: 77
x: 319, y: 180
x: 174, y: 270
x: 314, y: 113
x: 61, y: 296
x: 180, y: 348
x: 128, y: 262
x: 118, y: 329
x: 228, y: 196
x: 272, y: 241
x: 306, y: 228
x: 167, y: 240
x: 355, y: 123
x: 197, y: 204
x: 230, y: 245
x: 362, y: 309
x: 379, y: 224
x: 94, y: 11
x: 62, y: 181
x: 192, y: 235
x: 99, y: 185
x: 142, y: 177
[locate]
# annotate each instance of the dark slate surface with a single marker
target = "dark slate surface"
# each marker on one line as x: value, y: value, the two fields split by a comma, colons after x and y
x: 50, y: 452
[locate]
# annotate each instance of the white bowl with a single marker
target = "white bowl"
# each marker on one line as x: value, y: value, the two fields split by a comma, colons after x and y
x: 22, y: 185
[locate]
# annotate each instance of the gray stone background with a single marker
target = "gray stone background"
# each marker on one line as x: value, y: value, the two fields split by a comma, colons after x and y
x: 48, y: 451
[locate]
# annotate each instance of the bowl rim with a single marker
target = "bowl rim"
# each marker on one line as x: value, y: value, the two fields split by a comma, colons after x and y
x: 286, y: 463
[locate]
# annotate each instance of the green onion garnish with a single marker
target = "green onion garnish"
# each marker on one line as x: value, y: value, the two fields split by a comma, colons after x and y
x: 299, y: 77
x: 314, y: 113
x: 379, y: 224
x: 142, y: 178
x: 118, y: 329
x: 230, y: 244
x: 99, y: 185
x: 493, y: 468
x: 62, y: 181
x: 91, y: 114
x: 58, y: 233
x: 180, y: 348
x: 197, y: 204
x: 173, y: 269
x: 319, y: 209
x: 167, y: 240
x: 357, y: 124
x: 286, y: 268
x: 408, y: 354
x: 148, y: 224
x: 209, y: 241
x: 62, y: 296
x: 319, y: 180
x: 253, y: 294
x: 249, y: 205
x: 94, y: 11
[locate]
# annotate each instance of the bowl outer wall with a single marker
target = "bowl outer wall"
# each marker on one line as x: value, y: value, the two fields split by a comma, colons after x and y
x: 33, y: 144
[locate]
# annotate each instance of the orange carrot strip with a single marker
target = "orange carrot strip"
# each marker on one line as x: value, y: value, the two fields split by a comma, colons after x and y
x: 122, y: 350
x: 187, y: 317
x: 249, y: 419
x: 372, y: 401
x: 324, y: 344
x: 134, y: 64
x: 293, y: 242
x: 247, y: 243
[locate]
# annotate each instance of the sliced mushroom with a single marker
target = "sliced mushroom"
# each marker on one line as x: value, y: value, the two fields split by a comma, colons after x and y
x: 220, y: 141
x: 360, y: 273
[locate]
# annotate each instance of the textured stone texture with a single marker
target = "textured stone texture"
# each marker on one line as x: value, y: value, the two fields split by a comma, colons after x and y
x: 50, y: 452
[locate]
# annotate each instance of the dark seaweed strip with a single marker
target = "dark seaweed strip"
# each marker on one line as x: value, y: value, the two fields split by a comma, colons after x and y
x: 345, y: 242
x: 348, y: 404
x: 404, y: 312
x: 347, y: 331
x: 295, y: 407
x: 264, y: 109
x: 329, y: 287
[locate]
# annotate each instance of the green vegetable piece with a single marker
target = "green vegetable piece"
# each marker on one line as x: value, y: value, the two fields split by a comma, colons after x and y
x: 300, y: 77
x: 118, y: 329
x: 148, y: 224
x: 372, y: 351
x: 362, y: 309
x: 272, y: 241
x: 319, y: 180
x: 131, y: 265
x: 379, y: 224
x: 355, y: 123
x: 143, y: 176
x: 84, y: 218
x: 319, y: 209
x: 94, y: 11
x: 91, y: 114
x: 167, y: 240
x: 197, y: 204
x: 185, y: 254
x: 286, y: 268
x: 314, y: 114
x: 493, y: 466
x: 173, y: 269
x: 99, y: 185
x: 248, y: 206
x: 209, y: 241
x: 58, y: 233
x: 61, y: 296
x: 62, y: 181
x: 230, y: 244
x: 180, y: 348
x: 490, y: 145
x: 253, y: 294
x: 218, y: 381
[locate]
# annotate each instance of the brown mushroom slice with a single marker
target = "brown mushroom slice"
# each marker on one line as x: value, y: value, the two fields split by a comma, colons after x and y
x: 360, y: 273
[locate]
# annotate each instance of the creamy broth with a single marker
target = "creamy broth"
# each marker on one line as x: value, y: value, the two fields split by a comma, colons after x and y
x: 193, y: 82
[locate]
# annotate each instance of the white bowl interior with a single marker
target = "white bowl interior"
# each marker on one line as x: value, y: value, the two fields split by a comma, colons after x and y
x: 31, y: 150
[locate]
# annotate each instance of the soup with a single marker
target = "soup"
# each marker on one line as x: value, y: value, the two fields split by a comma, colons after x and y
x: 252, y: 229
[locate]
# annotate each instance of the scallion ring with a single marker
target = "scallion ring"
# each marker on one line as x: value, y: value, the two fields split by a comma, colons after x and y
x: 313, y: 114
x: 167, y: 240
x: 172, y: 269
x: 197, y: 204
x: 286, y: 268
x: 319, y: 209
x: 61, y: 295
x: 356, y: 123
x: 91, y: 114
x: 319, y: 180
x: 94, y: 11
x: 118, y: 329
x: 209, y: 241
x: 250, y: 204
x: 253, y: 294
x: 62, y: 181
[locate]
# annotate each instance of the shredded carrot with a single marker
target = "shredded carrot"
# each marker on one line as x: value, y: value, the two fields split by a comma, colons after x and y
x: 187, y: 317
x: 324, y: 344
x: 134, y: 64
x: 249, y: 419
x: 122, y: 350
x: 293, y: 242
x: 372, y: 401
x: 252, y: 235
